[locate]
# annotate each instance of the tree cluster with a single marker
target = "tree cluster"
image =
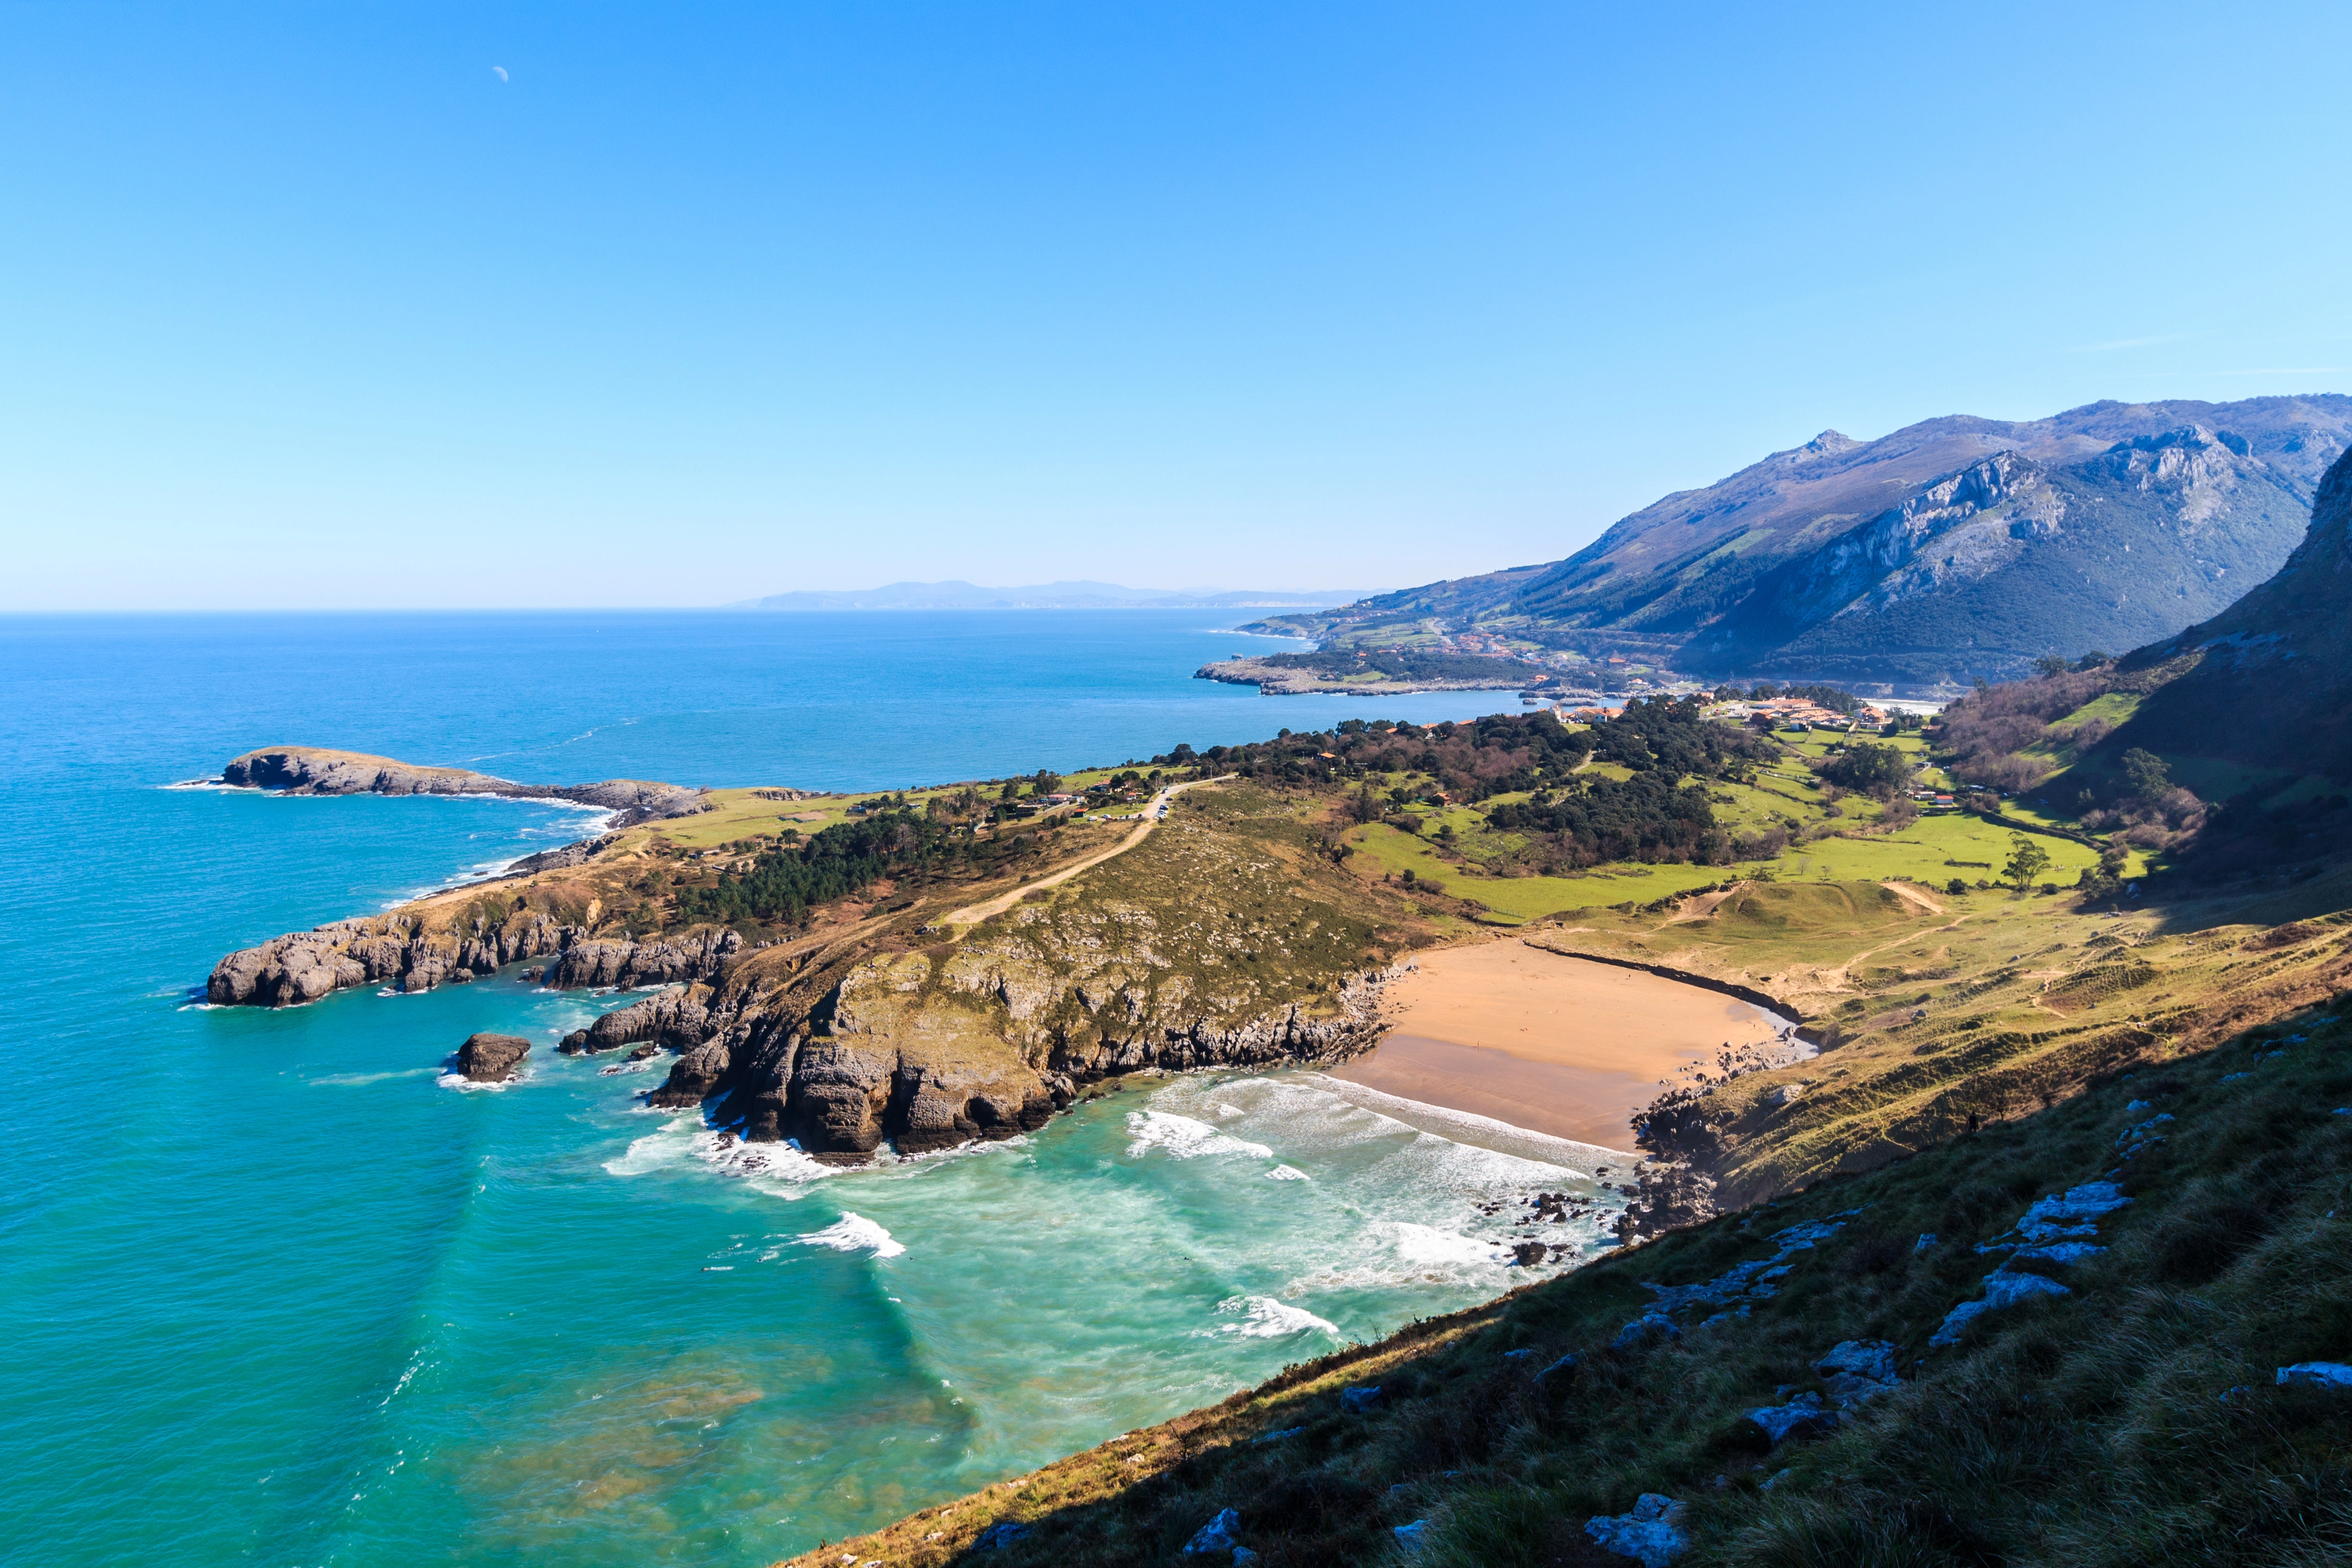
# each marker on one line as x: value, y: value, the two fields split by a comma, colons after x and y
x: 786, y: 882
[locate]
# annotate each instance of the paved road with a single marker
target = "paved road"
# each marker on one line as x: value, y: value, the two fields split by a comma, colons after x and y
x: 972, y: 914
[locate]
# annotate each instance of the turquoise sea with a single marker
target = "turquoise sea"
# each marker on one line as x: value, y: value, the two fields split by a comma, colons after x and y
x: 275, y: 1293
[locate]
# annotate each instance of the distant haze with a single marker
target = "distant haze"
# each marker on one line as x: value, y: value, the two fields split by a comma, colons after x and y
x: 1051, y: 596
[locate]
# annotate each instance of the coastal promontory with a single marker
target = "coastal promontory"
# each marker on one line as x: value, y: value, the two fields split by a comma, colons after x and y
x: 915, y: 978
x: 318, y: 770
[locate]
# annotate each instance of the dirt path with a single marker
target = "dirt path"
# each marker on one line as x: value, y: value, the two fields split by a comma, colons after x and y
x: 972, y: 914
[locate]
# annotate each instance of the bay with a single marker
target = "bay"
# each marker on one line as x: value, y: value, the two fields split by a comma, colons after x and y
x: 278, y: 1293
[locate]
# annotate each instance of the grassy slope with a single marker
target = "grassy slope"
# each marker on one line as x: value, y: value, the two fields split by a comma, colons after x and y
x: 1839, y: 840
x: 2095, y: 1429
x: 1939, y: 1008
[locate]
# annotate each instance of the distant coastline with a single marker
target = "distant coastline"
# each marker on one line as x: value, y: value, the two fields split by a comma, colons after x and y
x: 1071, y: 595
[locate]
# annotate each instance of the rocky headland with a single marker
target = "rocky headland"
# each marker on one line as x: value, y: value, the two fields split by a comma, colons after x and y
x: 1228, y: 936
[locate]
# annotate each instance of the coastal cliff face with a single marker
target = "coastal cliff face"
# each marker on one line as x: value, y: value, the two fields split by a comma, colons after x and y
x: 313, y: 770
x: 1216, y: 942
x: 402, y: 949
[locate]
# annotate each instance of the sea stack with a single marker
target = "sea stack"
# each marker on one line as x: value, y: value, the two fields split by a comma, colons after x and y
x: 491, y: 1059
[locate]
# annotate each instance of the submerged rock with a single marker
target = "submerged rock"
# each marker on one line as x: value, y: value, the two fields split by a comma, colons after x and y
x: 491, y: 1059
x: 1651, y: 1534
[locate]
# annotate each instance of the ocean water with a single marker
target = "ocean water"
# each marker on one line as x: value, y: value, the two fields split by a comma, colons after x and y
x: 277, y: 1291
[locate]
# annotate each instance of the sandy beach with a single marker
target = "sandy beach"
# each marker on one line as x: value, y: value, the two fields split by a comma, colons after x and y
x: 1554, y: 1045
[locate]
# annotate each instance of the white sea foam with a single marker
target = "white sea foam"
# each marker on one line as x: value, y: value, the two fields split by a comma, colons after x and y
x: 1264, y: 1317
x: 1287, y: 1173
x: 1184, y: 1138
x: 460, y: 1081
x: 353, y: 1080
x: 1228, y: 1112
x: 1465, y: 1127
x: 1424, y: 1246
x: 853, y: 1233
x: 659, y: 1150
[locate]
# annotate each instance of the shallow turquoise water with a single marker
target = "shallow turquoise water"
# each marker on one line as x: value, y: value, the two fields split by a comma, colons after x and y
x: 277, y: 1293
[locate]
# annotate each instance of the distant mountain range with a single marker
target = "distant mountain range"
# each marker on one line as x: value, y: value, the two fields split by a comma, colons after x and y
x: 1048, y: 596
x: 1952, y: 549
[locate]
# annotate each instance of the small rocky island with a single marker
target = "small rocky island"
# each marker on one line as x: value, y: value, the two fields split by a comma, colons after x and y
x: 492, y: 1059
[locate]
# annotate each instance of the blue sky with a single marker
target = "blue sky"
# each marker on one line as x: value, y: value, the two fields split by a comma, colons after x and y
x: 310, y: 306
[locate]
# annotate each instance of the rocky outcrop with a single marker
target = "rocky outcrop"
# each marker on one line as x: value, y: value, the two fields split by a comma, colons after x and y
x: 313, y: 770
x: 396, y: 950
x: 882, y: 1059
x: 492, y: 1059
x: 678, y: 1020
x: 563, y: 857
x: 692, y: 955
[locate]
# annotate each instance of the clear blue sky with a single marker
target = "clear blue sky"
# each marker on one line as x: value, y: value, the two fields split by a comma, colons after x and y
x: 307, y: 305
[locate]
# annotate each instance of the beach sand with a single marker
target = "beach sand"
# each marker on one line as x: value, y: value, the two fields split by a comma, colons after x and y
x: 1554, y: 1045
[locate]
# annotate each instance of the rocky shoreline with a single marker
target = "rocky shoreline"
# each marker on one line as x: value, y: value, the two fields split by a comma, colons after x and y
x: 840, y: 1084
x: 1281, y: 680
x: 399, y: 951
x: 820, y: 1054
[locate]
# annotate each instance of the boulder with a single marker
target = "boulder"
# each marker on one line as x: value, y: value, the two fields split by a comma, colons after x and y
x: 1858, y: 1370
x: 491, y: 1059
x: 1803, y: 1417
x: 1644, y: 1331
x: 1873, y: 1359
x: 1361, y: 1401
x: 2002, y: 1289
x: 1651, y: 1533
x: 1220, y: 1534
x: 2317, y: 1374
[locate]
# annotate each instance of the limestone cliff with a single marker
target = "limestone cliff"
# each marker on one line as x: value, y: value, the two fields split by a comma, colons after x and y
x: 403, y: 948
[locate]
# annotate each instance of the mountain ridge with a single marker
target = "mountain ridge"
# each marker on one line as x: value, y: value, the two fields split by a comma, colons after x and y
x: 2024, y: 560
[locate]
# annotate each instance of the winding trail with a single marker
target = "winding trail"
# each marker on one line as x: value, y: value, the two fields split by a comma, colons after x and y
x: 972, y: 914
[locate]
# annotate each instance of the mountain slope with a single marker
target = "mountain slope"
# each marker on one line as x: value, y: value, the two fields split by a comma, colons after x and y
x: 2268, y: 682
x: 1952, y: 547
